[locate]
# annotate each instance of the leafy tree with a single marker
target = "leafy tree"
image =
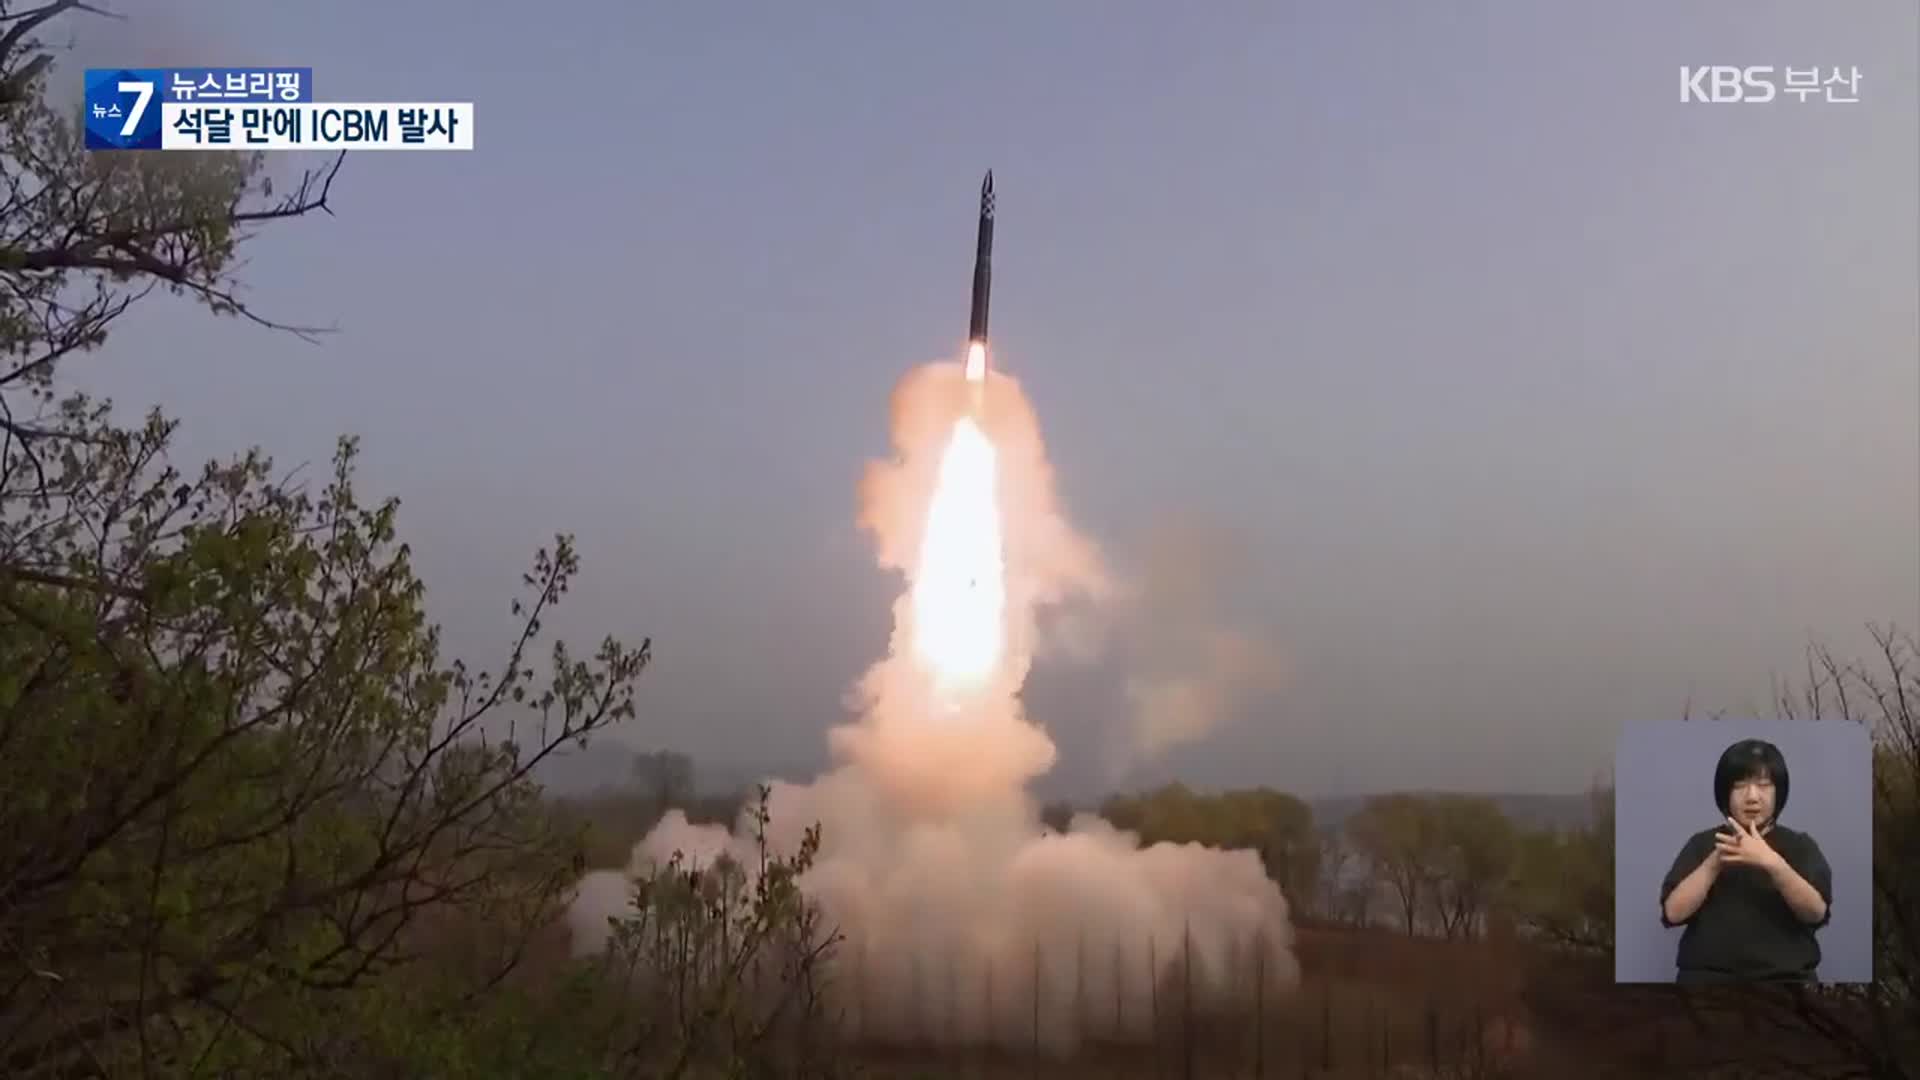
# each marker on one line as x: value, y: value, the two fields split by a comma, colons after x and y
x: 239, y: 793
x: 238, y: 781
x: 1345, y: 892
x: 721, y: 969
x: 85, y: 235
x: 1473, y: 857
x: 1447, y: 858
x: 1280, y: 827
x: 1561, y: 888
x: 1276, y: 825
x: 1395, y: 833
x: 1171, y: 814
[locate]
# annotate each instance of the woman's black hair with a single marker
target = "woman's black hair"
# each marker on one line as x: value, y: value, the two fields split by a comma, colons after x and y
x: 1747, y: 760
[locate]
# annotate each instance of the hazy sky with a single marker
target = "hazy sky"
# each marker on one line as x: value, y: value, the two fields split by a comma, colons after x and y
x: 1539, y: 400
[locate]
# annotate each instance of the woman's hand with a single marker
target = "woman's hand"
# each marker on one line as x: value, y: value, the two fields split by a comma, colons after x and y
x: 1746, y: 847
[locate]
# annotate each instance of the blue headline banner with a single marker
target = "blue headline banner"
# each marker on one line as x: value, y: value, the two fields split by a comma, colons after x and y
x: 123, y: 104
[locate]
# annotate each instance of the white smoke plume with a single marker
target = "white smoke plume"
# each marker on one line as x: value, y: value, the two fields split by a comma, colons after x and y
x: 1192, y: 669
x: 933, y: 861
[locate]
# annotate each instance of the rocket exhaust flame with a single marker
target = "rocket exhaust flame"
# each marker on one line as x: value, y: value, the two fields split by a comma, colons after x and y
x: 960, y: 591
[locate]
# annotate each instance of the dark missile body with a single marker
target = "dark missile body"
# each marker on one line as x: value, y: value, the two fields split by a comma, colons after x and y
x: 982, y: 265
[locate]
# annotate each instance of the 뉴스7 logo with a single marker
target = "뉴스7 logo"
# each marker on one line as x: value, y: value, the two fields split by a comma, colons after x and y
x: 1723, y: 84
x: 144, y: 90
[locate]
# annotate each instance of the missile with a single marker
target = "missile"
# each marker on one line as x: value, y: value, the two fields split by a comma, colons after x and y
x: 982, y: 286
x: 982, y: 265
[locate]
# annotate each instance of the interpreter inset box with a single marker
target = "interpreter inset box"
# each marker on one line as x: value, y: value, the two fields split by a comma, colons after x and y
x: 1743, y: 852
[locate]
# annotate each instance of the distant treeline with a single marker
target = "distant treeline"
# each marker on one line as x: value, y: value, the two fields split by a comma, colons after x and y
x: 1433, y: 864
x: 1450, y: 865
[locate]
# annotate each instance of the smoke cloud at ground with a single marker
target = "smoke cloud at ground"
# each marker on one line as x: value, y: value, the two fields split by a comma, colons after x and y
x: 933, y: 860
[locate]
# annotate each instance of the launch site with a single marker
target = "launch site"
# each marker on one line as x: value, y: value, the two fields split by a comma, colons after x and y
x: 1410, y: 567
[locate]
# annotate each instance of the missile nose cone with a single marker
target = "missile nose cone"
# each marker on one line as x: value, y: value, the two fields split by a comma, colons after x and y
x: 986, y: 186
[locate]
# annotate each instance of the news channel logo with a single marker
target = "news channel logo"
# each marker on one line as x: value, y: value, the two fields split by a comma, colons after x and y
x: 1722, y: 84
x: 255, y: 109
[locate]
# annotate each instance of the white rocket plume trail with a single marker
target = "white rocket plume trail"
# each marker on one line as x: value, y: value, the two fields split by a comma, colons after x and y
x: 932, y: 860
